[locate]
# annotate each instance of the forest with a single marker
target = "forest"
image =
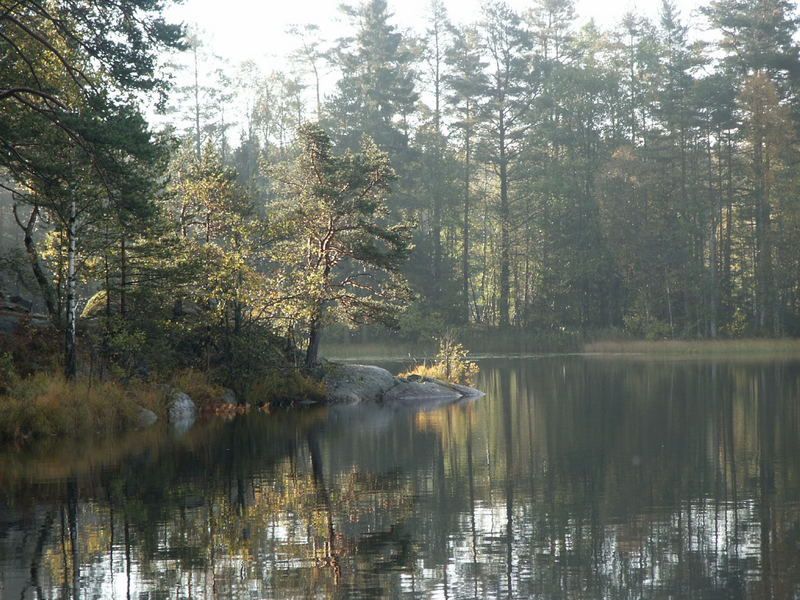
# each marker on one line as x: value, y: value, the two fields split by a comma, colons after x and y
x: 524, y: 172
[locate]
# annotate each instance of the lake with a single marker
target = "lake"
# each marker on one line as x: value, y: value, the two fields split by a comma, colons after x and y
x: 574, y: 477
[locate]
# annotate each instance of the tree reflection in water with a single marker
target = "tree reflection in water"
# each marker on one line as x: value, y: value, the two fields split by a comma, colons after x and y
x: 572, y: 478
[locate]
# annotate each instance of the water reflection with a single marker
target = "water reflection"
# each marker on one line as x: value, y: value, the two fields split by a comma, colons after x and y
x: 572, y: 478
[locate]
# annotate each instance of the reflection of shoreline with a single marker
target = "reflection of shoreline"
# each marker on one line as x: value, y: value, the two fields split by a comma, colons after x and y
x: 50, y: 461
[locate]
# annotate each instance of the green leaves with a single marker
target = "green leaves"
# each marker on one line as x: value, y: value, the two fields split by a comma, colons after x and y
x: 341, y: 254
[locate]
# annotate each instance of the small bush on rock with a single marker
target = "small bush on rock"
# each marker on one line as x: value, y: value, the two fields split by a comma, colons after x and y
x: 451, y: 363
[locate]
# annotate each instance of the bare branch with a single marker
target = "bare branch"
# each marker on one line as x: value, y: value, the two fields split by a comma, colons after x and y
x: 14, y: 92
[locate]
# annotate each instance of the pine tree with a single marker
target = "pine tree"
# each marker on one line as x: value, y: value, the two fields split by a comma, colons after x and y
x: 341, y: 259
x: 757, y: 38
x: 507, y: 93
x: 376, y: 93
x: 465, y: 80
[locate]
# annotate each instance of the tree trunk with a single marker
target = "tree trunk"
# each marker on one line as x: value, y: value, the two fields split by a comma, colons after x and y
x: 123, y: 277
x: 314, y: 337
x: 764, y: 300
x: 465, y: 232
x: 437, y: 191
x: 42, y: 280
x: 317, y: 90
x: 197, y: 136
x: 727, y: 240
x: 715, y: 229
x: 70, y: 357
x: 505, y: 238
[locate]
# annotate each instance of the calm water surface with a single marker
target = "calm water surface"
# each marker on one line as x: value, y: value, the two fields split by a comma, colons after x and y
x: 575, y: 477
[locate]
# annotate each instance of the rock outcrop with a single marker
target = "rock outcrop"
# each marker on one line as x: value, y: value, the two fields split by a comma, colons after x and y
x: 406, y: 391
x: 351, y: 384
x: 16, y: 312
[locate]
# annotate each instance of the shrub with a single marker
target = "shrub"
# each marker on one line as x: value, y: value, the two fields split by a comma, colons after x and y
x: 32, y: 349
x: 206, y: 394
x: 451, y: 363
x: 285, y: 387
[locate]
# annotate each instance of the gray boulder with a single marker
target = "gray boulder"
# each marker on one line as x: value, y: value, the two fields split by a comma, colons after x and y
x: 181, y: 411
x: 26, y: 305
x: 464, y: 390
x: 349, y: 384
x: 16, y: 312
x: 145, y: 417
x: 228, y: 396
x: 414, y: 391
x: 11, y: 321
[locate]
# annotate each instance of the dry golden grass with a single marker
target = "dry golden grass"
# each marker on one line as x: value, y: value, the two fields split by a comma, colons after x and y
x: 435, y: 371
x: 45, y: 405
x: 463, y: 374
x: 198, y: 385
x: 451, y: 363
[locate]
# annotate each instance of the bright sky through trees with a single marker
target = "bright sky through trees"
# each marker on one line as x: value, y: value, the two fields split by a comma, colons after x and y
x: 258, y: 32
x: 239, y: 30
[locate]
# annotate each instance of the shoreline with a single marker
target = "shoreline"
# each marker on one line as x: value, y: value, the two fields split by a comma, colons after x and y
x: 743, y: 347
x: 46, y: 407
x: 739, y: 347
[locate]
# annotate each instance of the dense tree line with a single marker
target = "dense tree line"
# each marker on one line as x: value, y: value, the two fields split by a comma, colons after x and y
x: 568, y: 178
x: 561, y: 179
x: 180, y: 258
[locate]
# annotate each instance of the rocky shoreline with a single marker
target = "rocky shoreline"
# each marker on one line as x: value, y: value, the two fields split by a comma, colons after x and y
x: 352, y: 384
x: 347, y: 384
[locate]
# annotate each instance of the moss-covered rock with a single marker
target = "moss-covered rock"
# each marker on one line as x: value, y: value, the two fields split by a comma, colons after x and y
x: 95, y: 306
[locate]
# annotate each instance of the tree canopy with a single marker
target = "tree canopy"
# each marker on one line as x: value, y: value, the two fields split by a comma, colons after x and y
x: 341, y: 255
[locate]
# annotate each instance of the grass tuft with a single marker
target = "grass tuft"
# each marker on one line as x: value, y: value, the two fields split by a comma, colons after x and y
x: 451, y: 364
x: 44, y: 405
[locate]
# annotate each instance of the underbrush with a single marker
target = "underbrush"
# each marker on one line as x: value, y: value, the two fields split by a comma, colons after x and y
x: 284, y: 387
x: 45, y: 405
x: 274, y: 387
x: 206, y: 394
x: 27, y: 351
